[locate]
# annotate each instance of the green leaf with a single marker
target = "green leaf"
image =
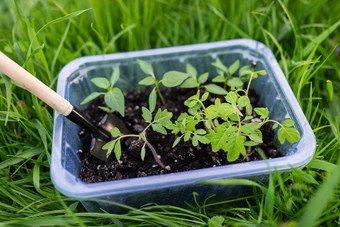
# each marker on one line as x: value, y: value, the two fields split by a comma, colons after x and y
x: 330, y: 89
x: 147, y: 81
x: 187, y: 136
x: 232, y: 97
x: 190, y: 123
x: 173, y: 78
x: 115, y: 100
x: 159, y: 128
x: 203, y: 78
x: 192, y: 103
x: 236, y: 82
x: 319, y: 39
x: 211, y: 112
x: 115, y: 132
x: 216, y: 221
x: 190, y: 83
x: 177, y: 140
x: 163, y: 117
x: 275, y: 125
x: 248, y: 118
x: 249, y: 109
x: 256, y: 136
x: 205, y: 96
x: 101, y: 82
x: 191, y: 70
x: 234, y: 147
x: 146, y: 115
x: 250, y: 127
x: 263, y: 112
x: 250, y: 143
x: 245, y: 72
x: 105, y: 109
x: 291, y: 134
x: 118, y: 150
x: 219, y: 79
x: 109, y: 147
x: 234, y: 67
x: 224, y: 110
x: 91, y: 97
x: 145, y: 67
x: 261, y: 72
x: 142, y: 152
x: 219, y: 141
x: 218, y: 64
x: 213, y: 88
x: 288, y: 123
x: 152, y: 100
x: 243, y: 101
x: 195, y: 140
x: 114, y: 76
x: 203, y: 139
x: 201, y: 132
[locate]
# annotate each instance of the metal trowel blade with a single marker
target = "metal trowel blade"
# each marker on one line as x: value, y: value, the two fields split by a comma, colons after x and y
x: 108, y: 122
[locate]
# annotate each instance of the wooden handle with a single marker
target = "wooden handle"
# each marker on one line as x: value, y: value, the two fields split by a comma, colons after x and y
x: 33, y: 85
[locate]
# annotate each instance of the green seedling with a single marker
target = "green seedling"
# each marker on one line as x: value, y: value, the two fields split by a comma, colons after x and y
x: 195, y: 81
x: 113, y: 97
x: 225, y: 74
x: 225, y: 126
x: 170, y: 79
x: 158, y: 123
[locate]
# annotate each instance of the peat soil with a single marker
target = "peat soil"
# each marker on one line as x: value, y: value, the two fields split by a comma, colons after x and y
x: 183, y: 157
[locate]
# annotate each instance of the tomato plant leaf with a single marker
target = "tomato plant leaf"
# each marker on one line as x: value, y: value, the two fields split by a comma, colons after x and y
x: 115, y: 100
x: 215, y: 89
x: 146, y: 115
x: 190, y: 83
x: 146, y: 67
x: 101, y: 82
x: 234, y: 67
x: 159, y: 128
x: 147, y: 81
x: 115, y: 76
x: 173, y: 78
x: 152, y: 100
x: 291, y: 134
x: 203, y: 78
x: 91, y: 97
x: 191, y: 70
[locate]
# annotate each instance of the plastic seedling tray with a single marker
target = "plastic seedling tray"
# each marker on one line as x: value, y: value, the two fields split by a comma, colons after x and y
x: 177, y: 188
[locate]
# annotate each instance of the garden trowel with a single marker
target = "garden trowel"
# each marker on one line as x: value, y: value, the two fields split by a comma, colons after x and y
x: 100, y: 132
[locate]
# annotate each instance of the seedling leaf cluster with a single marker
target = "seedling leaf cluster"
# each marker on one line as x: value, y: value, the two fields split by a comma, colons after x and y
x: 226, y: 120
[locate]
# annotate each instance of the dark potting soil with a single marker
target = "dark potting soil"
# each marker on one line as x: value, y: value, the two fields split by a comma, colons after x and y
x: 183, y: 157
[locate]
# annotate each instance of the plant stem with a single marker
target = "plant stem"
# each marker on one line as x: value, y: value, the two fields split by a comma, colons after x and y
x: 153, y: 150
x: 155, y: 155
x: 160, y: 94
x: 251, y: 77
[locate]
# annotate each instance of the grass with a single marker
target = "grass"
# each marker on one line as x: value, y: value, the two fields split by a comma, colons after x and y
x: 43, y: 36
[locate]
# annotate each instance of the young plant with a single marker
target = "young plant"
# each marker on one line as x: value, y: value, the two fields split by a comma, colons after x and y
x: 158, y: 123
x: 224, y: 126
x: 225, y: 74
x: 113, y: 97
x: 197, y: 82
x: 169, y: 79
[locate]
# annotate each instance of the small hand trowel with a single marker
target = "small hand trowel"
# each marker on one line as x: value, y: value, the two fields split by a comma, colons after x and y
x: 58, y: 103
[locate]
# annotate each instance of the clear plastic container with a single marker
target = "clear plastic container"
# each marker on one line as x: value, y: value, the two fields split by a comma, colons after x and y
x: 177, y: 188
